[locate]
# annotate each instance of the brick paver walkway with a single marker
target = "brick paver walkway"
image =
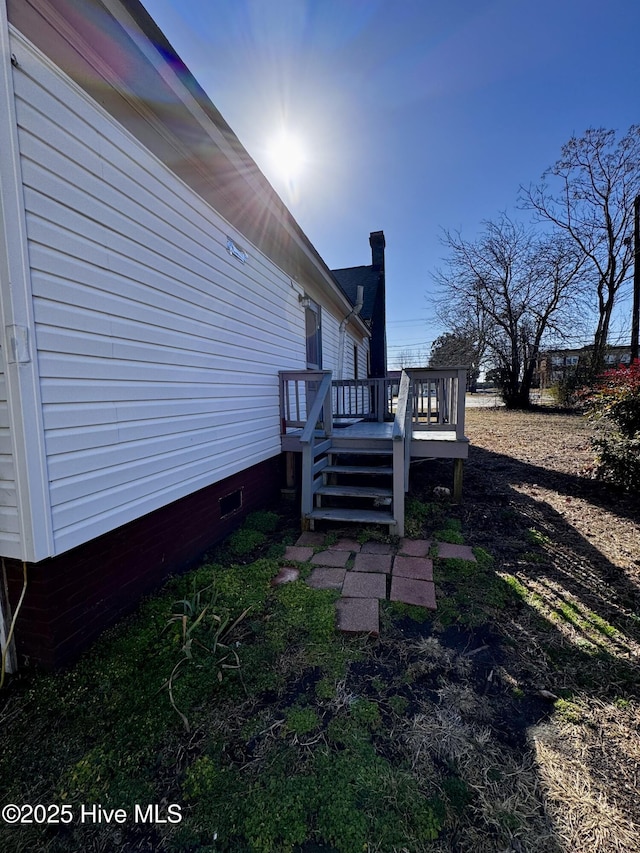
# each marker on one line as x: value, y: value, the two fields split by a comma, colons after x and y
x: 371, y: 572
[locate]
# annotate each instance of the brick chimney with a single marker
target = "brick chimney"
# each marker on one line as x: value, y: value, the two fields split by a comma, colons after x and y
x: 377, y: 243
x: 378, y: 315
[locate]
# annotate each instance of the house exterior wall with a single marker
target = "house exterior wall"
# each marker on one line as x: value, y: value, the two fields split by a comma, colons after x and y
x: 26, y: 528
x: 349, y: 366
x: 147, y: 386
x: 9, y: 518
x: 330, y: 332
x: 72, y: 598
x: 157, y: 350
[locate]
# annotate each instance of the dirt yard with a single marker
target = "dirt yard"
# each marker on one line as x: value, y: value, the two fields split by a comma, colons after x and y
x: 543, y: 461
x: 570, y: 549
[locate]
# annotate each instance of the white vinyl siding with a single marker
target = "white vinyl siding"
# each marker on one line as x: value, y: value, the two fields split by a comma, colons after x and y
x: 10, y: 540
x: 363, y: 359
x: 349, y: 361
x: 157, y: 351
x: 330, y: 328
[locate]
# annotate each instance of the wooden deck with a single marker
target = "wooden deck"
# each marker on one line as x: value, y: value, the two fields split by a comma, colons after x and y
x: 389, y: 423
x: 425, y: 444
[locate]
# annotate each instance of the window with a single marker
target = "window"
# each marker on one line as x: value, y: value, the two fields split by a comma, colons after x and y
x: 355, y: 361
x: 314, y: 339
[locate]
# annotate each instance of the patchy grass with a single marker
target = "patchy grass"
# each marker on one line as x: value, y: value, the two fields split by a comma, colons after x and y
x: 506, y: 720
x: 233, y: 699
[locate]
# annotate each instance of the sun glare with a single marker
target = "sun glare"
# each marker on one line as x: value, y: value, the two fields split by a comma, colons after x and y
x: 287, y: 156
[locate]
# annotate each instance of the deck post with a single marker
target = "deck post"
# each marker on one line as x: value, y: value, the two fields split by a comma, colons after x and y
x: 462, y: 392
x: 457, y: 479
x: 380, y: 399
x: 307, y: 479
x: 290, y: 465
x: 398, y: 485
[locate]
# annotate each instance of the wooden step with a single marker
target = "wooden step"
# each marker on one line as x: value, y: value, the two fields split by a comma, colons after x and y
x: 357, y: 469
x: 365, y: 451
x: 362, y: 516
x: 354, y: 492
x: 364, y: 446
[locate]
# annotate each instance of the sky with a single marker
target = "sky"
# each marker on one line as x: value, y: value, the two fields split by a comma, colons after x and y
x: 411, y: 116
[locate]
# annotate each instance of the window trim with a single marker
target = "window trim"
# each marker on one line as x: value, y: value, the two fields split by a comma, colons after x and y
x: 314, y: 309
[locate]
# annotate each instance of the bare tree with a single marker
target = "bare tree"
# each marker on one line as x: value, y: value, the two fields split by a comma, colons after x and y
x: 410, y: 358
x: 468, y: 324
x: 519, y: 285
x: 595, y: 182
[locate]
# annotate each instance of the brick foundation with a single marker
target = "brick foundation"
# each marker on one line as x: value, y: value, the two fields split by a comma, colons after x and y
x: 72, y: 598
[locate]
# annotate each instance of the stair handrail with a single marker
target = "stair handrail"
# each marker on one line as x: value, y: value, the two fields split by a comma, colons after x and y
x: 322, y: 401
x: 401, y: 423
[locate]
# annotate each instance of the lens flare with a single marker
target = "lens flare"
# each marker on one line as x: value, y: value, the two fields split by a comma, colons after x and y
x: 286, y: 155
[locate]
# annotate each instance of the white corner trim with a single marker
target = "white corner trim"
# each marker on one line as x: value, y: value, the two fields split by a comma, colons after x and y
x: 5, y: 623
x: 16, y: 328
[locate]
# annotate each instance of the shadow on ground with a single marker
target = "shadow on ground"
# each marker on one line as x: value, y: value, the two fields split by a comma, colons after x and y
x: 569, y: 618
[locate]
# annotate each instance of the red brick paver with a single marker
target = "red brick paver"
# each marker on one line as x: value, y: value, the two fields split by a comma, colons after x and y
x: 298, y: 553
x: 337, y: 559
x: 358, y: 614
x: 364, y: 585
x: 412, y: 591
x: 311, y: 538
x: 365, y: 562
x: 346, y: 545
x: 414, y: 547
x: 324, y: 577
x: 287, y: 574
x: 447, y: 551
x: 420, y: 568
x: 376, y: 548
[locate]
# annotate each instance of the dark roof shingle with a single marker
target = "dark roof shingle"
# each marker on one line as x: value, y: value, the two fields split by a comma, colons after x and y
x: 349, y: 279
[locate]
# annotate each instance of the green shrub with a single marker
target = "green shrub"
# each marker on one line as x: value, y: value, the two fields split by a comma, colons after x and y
x: 451, y: 532
x: 618, y: 460
x: 449, y: 535
x: 201, y: 629
x: 325, y: 689
x: 614, y: 402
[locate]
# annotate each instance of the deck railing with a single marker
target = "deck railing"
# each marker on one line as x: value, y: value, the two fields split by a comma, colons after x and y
x: 436, y: 398
x: 305, y: 406
x: 362, y: 399
x: 298, y: 391
x: 367, y: 399
x: 424, y: 399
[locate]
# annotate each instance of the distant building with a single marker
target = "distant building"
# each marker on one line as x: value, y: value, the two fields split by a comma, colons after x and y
x: 556, y: 365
